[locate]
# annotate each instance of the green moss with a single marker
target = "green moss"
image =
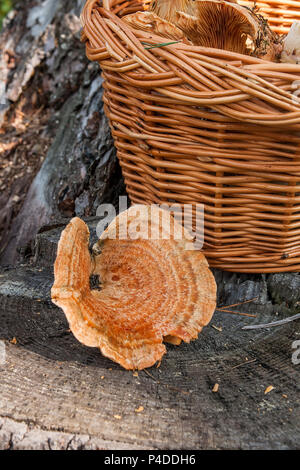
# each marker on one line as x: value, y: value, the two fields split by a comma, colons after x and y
x: 5, y: 7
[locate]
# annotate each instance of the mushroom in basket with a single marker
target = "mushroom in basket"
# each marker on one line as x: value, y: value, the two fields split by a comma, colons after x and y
x: 225, y: 25
x: 152, y: 23
x: 218, y: 24
x: 161, y: 18
x: 167, y: 9
x: 153, y: 289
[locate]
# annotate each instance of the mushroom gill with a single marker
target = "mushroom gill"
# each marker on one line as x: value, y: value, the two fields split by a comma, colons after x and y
x: 153, y: 288
x: 150, y: 22
x: 166, y: 9
x: 226, y: 25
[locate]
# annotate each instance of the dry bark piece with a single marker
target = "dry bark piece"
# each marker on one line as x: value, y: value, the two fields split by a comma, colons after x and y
x: 151, y: 289
x: 150, y: 22
x: 226, y: 25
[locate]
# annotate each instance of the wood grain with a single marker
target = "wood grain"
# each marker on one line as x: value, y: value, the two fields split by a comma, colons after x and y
x: 58, y: 390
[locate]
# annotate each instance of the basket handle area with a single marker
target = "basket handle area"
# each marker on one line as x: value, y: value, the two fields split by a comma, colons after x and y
x: 239, y: 87
x: 279, y: 13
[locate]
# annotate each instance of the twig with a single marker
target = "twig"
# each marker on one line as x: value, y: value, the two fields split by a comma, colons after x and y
x: 226, y: 307
x: 275, y: 323
x: 152, y: 376
x: 235, y: 313
x: 243, y: 363
x: 240, y: 303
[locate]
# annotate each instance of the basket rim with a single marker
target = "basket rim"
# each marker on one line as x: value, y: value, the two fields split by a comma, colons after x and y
x: 106, y: 4
x: 121, y: 49
x: 171, y: 147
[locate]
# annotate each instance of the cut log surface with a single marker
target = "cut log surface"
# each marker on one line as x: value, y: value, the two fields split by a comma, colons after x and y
x: 56, y: 393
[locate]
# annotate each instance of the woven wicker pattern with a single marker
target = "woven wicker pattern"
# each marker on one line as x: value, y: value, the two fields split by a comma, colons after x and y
x: 280, y: 13
x: 201, y: 125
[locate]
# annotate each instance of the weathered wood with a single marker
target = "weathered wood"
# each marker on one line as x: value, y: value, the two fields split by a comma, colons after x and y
x: 53, y: 383
x: 45, y: 73
x: 57, y: 393
x: 273, y: 293
x: 15, y: 435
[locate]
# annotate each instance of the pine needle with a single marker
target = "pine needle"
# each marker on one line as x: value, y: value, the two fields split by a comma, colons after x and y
x: 153, y: 46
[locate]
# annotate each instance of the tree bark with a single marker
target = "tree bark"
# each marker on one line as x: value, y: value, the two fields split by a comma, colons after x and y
x: 52, y: 123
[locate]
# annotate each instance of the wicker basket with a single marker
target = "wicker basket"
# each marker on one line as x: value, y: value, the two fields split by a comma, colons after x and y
x: 201, y: 125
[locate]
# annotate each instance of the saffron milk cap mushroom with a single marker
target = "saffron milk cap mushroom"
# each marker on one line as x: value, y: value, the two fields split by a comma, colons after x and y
x: 154, y: 287
x: 150, y: 22
x: 166, y: 9
x: 226, y: 25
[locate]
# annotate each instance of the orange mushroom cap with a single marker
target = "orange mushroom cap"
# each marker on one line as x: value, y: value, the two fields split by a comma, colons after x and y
x: 152, y: 289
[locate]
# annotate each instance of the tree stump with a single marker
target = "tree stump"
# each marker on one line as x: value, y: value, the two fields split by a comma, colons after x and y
x: 58, y: 394
x: 57, y: 150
